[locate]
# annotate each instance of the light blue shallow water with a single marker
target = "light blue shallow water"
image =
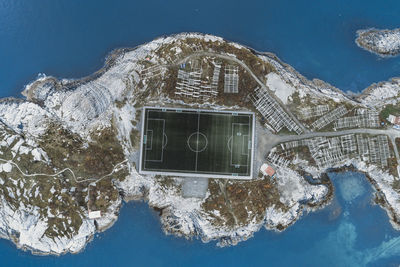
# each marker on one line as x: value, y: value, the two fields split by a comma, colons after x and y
x: 70, y: 39
x: 346, y: 233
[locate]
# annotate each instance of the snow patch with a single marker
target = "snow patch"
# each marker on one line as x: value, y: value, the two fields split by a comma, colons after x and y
x: 281, y: 89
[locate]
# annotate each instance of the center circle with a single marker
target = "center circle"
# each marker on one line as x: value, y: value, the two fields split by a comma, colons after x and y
x: 197, y: 142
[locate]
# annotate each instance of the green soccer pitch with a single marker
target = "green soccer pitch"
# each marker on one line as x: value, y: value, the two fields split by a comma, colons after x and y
x: 199, y: 143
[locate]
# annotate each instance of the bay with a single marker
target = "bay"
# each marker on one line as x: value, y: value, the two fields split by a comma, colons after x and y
x: 70, y: 39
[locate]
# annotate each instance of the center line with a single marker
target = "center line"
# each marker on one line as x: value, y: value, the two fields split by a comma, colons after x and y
x: 197, y: 143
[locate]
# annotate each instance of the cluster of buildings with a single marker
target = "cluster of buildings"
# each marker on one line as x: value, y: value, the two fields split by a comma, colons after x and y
x: 328, y: 152
x: 231, y: 79
x: 312, y: 112
x: 277, y: 160
x: 379, y: 150
x: 151, y: 71
x: 395, y: 120
x: 364, y: 118
x: 325, y: 151
x: 215, y: 78
x: 270, y: 109
x: 329, y: 117
x: 191, y: 83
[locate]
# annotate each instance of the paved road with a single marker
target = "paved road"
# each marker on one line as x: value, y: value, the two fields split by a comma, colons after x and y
x: 268, y: 140
x: 262, y: 85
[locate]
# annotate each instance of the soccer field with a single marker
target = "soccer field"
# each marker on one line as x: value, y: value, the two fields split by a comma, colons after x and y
x: 201, y: 143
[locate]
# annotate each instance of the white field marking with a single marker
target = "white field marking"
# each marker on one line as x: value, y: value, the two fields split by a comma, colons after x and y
x: 250, y: 115
x: 147, y: 140
x: 233, y: 126
x: 202, y: 111
x: 197, y: 143
x: 245, y: 145
x: 162, y: 142
x: 230, y: 144
x: 188, y: 173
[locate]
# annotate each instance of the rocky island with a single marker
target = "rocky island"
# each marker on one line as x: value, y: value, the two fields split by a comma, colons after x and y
x: 380, y: 42
x: 70, y: 150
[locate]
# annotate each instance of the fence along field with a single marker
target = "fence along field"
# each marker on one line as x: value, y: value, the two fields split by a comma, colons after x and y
x: 201, y: 143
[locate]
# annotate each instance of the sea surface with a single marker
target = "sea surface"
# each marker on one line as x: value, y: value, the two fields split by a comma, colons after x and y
x: 70, y: 39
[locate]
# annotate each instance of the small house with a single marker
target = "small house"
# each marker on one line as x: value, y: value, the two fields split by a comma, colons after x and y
x: 267, y: 170
x: 94, y: 214
x: 394, y: 119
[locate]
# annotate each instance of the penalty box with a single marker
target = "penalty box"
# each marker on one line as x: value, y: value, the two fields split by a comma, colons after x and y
x: 198, y: 143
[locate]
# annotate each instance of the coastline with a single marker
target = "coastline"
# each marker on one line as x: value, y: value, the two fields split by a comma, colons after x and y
x: 366, y: 40
x: 111, y: 61
x: 111, y: 57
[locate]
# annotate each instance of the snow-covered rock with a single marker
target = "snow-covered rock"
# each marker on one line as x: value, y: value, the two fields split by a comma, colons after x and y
x: 281, y: 89
x: 381, y: 42
x: 90, y: 104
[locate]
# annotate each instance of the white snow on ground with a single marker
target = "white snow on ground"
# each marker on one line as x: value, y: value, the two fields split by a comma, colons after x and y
x: 185, y: 217
x: 91, y: 105
x: 24, y: 117
x: 294, y: 188
x: 30, y: 226
x: 281, y: 88
x: 384, y: 182
x: 86, y: 107
x: 17, y: 146
x: 382, y: 94
x: 275, y: 217
x: 389, y: 42
x: 5, y: 167
x: 316, y: 89
x: 7, y: 140
x: 36, y: 154
x: 134, y: 184
x: 26, y: 222
x: 108, y: 219
x: 382, y: 42
x: 123, y: 120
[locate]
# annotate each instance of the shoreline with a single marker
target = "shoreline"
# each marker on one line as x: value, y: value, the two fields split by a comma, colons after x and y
x: 111, y: 61
x: 111, y: 57
x: 373, y: 48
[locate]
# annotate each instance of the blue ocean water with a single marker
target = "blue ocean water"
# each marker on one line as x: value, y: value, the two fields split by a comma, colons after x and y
x: 70, y: 39
x: 349, y: 232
